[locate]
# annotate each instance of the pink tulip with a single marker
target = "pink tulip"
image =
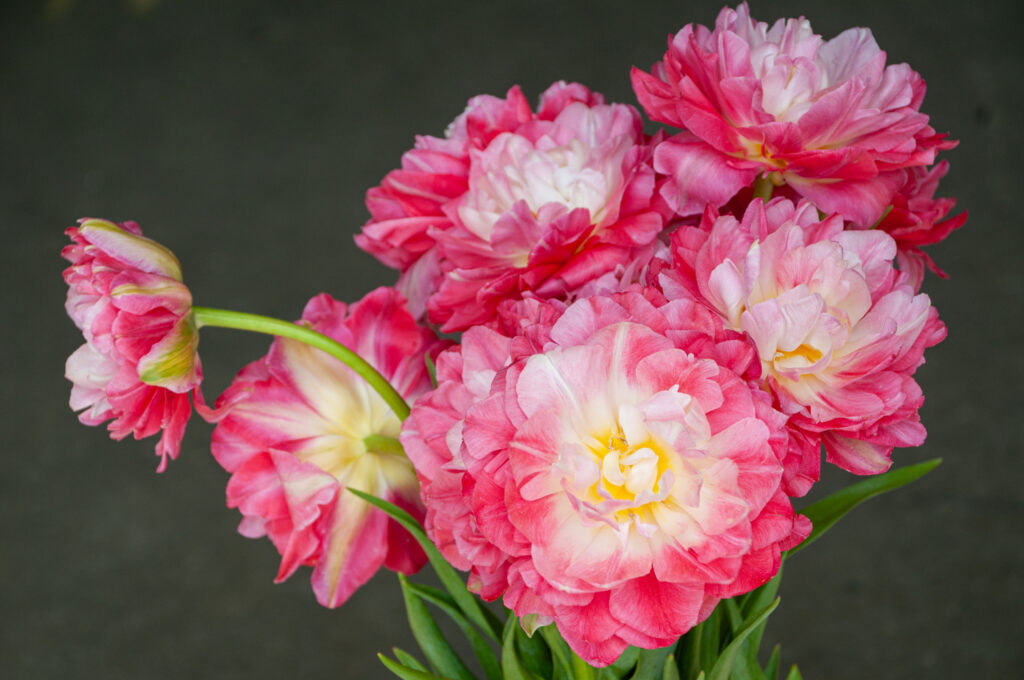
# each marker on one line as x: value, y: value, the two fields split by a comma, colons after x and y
x: 139, y: 361
x: 606, y: 467
x: 514, y: 202
x: 302, y: 427
x: 827, y: 118
x: 838, y: 330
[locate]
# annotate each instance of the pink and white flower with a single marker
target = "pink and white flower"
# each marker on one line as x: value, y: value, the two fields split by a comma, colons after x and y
x: 838, y: 330
x: 513, y: 201
x: 139, y: 362
x: 606, y: 468
x: 828, y: 118
x: 302, y: 427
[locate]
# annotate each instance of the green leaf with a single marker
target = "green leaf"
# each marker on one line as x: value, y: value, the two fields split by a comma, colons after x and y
x: 771, y: 671
x: 722, y: 670
x: 745, y: 666
x: 560, y: 654
x: 407, y: 659
x: 650, y: 664
x: 511, y: 666
x: 708, y: 641
x: 406, y: 673
x: 435, y: 647
x: 794, y: 674
x: 484, y: 653
x: 671, y: 672
x: 698, y: 649
x: 626, y: 663
x: 752, y: 603
x: 735, y: 616
x: 450, y: 579
x: 534, y: 653
x: 828, y: 511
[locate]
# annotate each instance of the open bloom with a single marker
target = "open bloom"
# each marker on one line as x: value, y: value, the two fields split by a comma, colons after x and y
x: 302, y: 427
x: 828, y: 118
x: 606, y: 469
x: 139, y: 360
x: 514, y: 201
x: 838, y: 330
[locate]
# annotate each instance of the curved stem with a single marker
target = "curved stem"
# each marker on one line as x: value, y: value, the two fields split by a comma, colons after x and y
x: 225, y: 318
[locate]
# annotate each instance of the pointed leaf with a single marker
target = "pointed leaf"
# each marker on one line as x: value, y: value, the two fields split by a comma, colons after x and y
x: 534, y: 653
x: 671, y: 672
x: 722, y: 670
x: 828, y: 511
x: 771, y: 671
x: 431, y: 640
x: 406, y: 673
x: 511, y: 666
x: 451, y: 580
x: 755, y: 602
x: 484, y: 654
x: 407, y: 659
x: 794, y: 674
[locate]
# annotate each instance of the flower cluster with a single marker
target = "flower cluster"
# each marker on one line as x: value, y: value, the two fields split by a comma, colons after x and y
x: 659, y: 336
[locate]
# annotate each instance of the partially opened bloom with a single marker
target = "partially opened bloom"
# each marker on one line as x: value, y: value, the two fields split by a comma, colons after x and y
x: 514, y: 201
x: 139, y: 362
x: 302, y: 427
x: 828, y: 118
x: 606, y: 468
x: 838, y: 330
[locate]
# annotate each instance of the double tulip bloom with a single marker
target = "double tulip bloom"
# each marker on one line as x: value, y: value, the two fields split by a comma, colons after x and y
x: 139, y: 362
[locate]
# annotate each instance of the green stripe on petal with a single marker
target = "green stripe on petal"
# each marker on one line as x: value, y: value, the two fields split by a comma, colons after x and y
x: 137, y: 251
x: 171, y: 363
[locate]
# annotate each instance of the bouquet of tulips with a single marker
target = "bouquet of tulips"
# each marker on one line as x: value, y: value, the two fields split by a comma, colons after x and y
x: 609, y: 365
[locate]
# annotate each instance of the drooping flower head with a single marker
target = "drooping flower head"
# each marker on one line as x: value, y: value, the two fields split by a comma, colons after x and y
x: 302, y: 427
x: 139, y: 361
x: 606, y: 468
x: 514, y: 201
x: 838, y: 330
x: 828, y: 118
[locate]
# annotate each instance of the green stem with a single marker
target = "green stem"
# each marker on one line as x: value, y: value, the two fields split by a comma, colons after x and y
x: 225, y: 318
x: 763, y: 187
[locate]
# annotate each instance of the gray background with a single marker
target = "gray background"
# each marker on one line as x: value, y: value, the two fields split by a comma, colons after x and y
x: 244, y: 135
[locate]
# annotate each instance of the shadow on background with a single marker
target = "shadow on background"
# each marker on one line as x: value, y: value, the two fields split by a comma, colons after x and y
x: 244, y: 135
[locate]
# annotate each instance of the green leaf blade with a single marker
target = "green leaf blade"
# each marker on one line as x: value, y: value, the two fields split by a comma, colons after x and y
x: 431, y: 640
x: 830, y: 510
x: 722, y: 670
x: 450, y: 578
x: 511, y: 666
x: 406, y: 673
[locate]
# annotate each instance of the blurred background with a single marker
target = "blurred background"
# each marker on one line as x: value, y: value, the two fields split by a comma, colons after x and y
x: 243, y: 135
